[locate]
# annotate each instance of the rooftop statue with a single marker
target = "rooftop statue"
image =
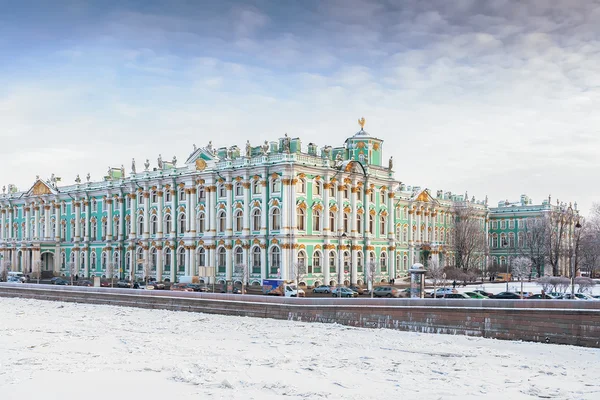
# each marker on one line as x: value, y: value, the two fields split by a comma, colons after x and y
x: 88, y: 176
x: 362, y: 122
x: 391, y: 163
x: 248, y: 149
x: 133, y: 165
x: 265, y: 148
x: 286, y: 143
x: 174, y: 161
x: 209, y: 147
x: 77, y: 179
x: 147, y: 165
x: 160, y: 162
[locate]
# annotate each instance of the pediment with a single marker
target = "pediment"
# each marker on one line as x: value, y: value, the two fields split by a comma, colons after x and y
x: 201, y: 158
x: 41, y: 188
x: 424, y: 197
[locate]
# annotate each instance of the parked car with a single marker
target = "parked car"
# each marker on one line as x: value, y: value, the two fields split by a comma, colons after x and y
x: 154, y: 285
x: 483, y: 293
x: 405, y: 293
x: 386, y: 291
x: 56, y: 278
x: 104, y: 283
x: 322, y: 289
x: 456, y: 296
x: 14, y: 279
x: 61, y: 282
x: 441, y: 292
x: 525, y: 294
x: 540, y: 296
x: 343, y: 292
x: 85, y: 283
x: 181, y: 287
x: 357, y: 289
x: 476, y: 295
x: 123, y: 284
x: 507, y: 296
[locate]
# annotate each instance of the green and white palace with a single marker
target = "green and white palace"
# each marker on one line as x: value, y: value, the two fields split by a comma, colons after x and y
x: 266, y: 209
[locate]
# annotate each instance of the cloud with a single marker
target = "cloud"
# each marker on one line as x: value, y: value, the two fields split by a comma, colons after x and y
x: 469, y: 95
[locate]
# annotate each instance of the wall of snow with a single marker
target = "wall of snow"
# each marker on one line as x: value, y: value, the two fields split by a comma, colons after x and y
x: 564, y: 322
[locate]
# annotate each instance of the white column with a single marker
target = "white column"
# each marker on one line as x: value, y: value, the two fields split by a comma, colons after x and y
x: 265, y: 207
x: 159, y: 263
x: 78, y: 220
x: 353, y: 200
x: 47, y: 233
x: 120, y: 234
x: 229, y: 211
x: 146, y: 259
x: 263, y: 263
x: 207, y: 211
x: 133, y: 220
x: 36, y: 223
x: 10, y: 224
x: 109, y: 219
x: 27, y: 224
x: 159, y: 215
x: 146, y: 215
x: 86, y: 210
x: 246, y: 209
x: 57, y: 221
x: 391, y: 215
x: 212, y: 210
x: 173, y: 232
x: 192, y: 211
x: 228, y: 262
x: 3, y: 225
x: 325, y: 216
x: 192, y: 267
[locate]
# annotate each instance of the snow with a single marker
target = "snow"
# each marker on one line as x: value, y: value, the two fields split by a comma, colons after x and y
x: 513, y: 286
x: 53, y: 350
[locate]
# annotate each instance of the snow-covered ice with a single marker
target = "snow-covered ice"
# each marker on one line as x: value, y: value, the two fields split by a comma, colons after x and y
x: 52, y: 350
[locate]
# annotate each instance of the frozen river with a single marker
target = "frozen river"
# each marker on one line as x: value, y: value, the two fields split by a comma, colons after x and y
x: 51, y: 350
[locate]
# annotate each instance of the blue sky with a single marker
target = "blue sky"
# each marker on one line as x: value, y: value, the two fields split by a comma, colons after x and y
x: 496, y: 98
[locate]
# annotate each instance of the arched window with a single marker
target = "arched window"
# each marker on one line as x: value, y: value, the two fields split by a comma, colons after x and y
x: 301, y: 258
x: 181, y: 224
x: 520, y: 239
x: 93, y: 260
x: 168, y: 223
x: 371, y: 256
x: 82, y: 260
x: 54, y: 229
x: 316, y: 222
x: 139, y: 255
x: 359, y: 223
x: 167, y: 260
x: 140, y: 225
x: 331, y: 221
x: 301, y: 219
x: 221, y: 258
x: 127, y: 227
x: 201, y: 222
x: 372, y: 224
x: 104, y: 227
x: 153, y: 225
x: 382, y: 231
x: 332, y: 190
x: 239, y: 220
x: 511, y: 240
x: 201, y: 257
x: 383, y: 261
x: 221, y: 220
x: 316, y: 263
x: 275, y: 185
x: 317, y: 188
x: 116, y: 261
x: 181, y: 195
x: 153, y: 258
x: 256, y: 187
x: 275, y: 259
x: 222, y: 190
x: 239, y: 190
x: 256, y: 260
x: 405, y: 234
x: 181, y: 259
x: 127, y: 261
x: 201, y: 194
x: 301, y: 186
x: 359, y: 261
x: 256, y: 219
x: 405, y: 262
x: 94, y: 230
x: 239, y: 256
x: 63, y: 260
x: 103, y: 260
x: 331, y: 261
x: 346, y: 223
x: 276, y: 219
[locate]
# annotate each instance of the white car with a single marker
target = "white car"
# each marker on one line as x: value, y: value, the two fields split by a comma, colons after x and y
x: 441, y: 292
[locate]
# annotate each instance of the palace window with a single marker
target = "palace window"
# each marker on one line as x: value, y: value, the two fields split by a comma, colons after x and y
x: 239, y: 220
x: 383, y: 262
x: 221, y: 220
x: 276, y: 219
x: 154, y: 197
x: 222, y: 191
x: 511, y: 224
x: 371, y: 224
x: 167, y: 195
x: 181, y: 224
x: 239, y: 257
x: 372, y: 196
x: 316, y: 262
x: 405, y: 234
x: 181, y: 195
x: 331, y: 261
x: 316, y: 222
x: 94, y: 205
x: 153, y: 225
x: 201, y: 194
x: 275, y: 185
x: 256, y: 187
x: 359, y: 223
x: 201, y: 257
x: 382, y: 232
x: 201, y: 222
x: 346, y: 192
x: 181, y: 259
x: 346, y: 223
x: 140, y: 225
x: 256, y: 260
x: 301, y: 217
x: 332, y: 221
x: 275, y: 259
x: 359, y: 261
x: 239, y: 189
x: 168, y: 223
x: 256, y: 219
x: 382, y: 197
x: 317, y: 188
x: 221, y: 259
x: 167, y: 261
x: 301, y: 186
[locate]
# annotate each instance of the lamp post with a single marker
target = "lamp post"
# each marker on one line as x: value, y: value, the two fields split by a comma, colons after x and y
x: 577, y: 227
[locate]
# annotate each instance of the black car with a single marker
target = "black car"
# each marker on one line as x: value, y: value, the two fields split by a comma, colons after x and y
x: 61, y: 282
x: 507, y: 296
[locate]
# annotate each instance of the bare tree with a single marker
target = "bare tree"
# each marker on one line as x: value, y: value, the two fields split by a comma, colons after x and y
x: 553, y: 284
x: 242, y: 271
x: 72, y: 270
x: 590, y: 251
x: 468, y: 237
x: 535, y: 242
x: 435, y: 272
x: 3, y: 271
x: 110, y: 270
x: 521, y: 269
x: 298, y: 272
x: 371, y: 273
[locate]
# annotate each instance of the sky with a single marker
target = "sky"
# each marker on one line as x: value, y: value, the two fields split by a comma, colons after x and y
x: 495, y: 98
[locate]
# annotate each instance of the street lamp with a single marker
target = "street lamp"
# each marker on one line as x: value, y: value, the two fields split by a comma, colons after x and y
x: 577, y: 227
x: 505, y: 246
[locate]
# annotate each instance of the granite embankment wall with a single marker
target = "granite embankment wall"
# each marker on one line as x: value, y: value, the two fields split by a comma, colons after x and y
x: 561, y: 321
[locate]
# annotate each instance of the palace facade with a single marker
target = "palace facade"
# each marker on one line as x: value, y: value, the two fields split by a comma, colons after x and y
x: 335, y: 213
